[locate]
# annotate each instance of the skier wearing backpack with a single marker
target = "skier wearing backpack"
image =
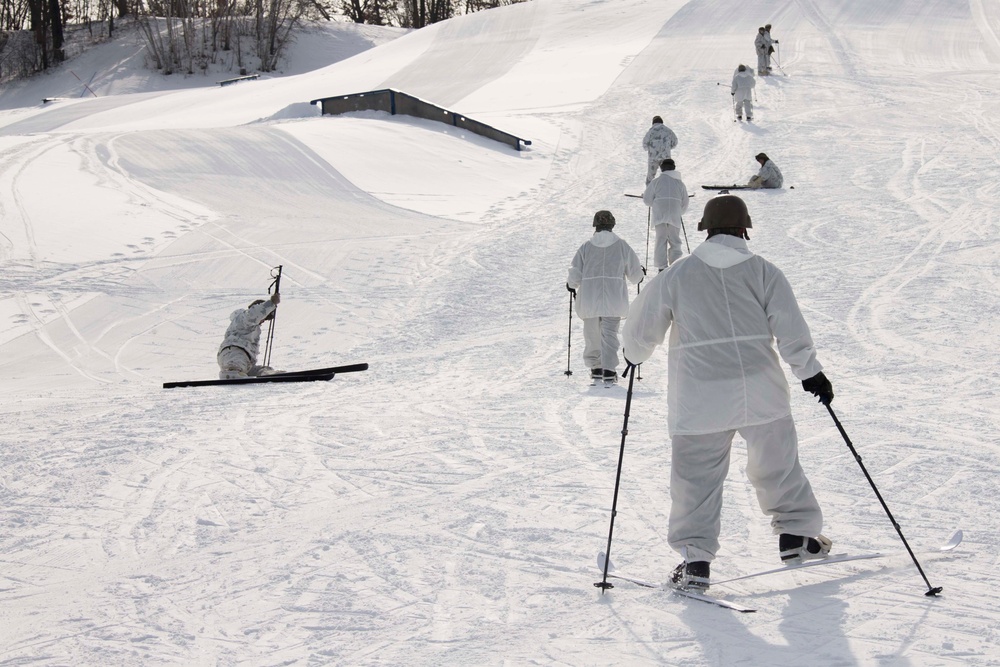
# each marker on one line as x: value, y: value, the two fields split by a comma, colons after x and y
x: 597, y: 276
x: 726, y: 309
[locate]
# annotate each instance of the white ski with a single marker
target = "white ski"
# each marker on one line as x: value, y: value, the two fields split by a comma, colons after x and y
x: 829, y: 560
x: 713, y: 600
x: 950, y: 545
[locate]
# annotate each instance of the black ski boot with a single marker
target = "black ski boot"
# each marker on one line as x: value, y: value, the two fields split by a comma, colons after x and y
x: 691, y: 576
x: 797, y: 549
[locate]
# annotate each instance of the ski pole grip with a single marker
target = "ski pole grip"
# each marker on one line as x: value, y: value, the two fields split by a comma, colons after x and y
x: 277, y: 280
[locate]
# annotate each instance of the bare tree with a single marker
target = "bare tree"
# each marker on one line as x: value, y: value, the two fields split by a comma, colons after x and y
x: 421, y: 13
x: 372, y: 12
x: 479, y: 5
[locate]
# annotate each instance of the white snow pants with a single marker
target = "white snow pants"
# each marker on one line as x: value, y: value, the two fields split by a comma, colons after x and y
x: 700, y: 464
x: 234, y: 362
x: 744, y: 108
x: 601, y: 342
x: 762, y: 64
x: 668, y: 248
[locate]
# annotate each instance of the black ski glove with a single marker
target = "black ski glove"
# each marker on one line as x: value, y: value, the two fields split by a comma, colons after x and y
x: 570, y: 289
x: 818, y: 385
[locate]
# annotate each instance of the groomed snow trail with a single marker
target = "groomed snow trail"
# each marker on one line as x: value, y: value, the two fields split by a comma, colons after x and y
x: 445, y: 506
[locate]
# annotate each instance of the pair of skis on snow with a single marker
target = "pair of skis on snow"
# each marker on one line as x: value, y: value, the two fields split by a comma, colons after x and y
x: 314, y: 375
x: 950, y: 545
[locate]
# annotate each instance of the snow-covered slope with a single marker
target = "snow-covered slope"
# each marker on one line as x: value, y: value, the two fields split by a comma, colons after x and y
x: 446, y: 506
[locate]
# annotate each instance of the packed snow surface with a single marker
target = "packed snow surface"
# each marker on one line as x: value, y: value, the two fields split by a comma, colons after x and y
x: 447, y: 506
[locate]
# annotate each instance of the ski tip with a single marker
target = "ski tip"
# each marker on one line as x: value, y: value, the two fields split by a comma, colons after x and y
x: 601, y: 559
x: 955, y: 540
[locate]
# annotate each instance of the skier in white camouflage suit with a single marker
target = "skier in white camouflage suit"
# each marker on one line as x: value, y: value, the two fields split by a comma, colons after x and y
x: 769, y: 175
x: 762, y: 44
x: 770, y: 45
x: 667, y: 196
x: 240, y: 346
x: 599, y: 271
x: 658, y: 142
x: 725, y: 309
x: 742, y: 92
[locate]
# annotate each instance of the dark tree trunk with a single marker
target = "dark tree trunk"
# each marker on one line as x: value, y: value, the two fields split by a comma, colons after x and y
x: 55, y: 21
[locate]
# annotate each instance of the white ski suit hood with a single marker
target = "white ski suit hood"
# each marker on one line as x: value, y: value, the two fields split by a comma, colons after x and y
x: 244, y: 328
x: 668, y: 197
x: 598, y: 274
x: 725, y: 309
x: 658, y: 142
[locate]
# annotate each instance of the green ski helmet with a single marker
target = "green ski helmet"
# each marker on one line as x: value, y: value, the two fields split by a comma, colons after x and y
x: 725, y: 211
x: 604, y: 220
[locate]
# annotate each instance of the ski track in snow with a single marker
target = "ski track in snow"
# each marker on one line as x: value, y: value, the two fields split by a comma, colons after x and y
x: 445, y: 506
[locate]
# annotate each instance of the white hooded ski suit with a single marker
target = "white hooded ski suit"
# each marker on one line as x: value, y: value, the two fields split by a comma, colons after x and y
x: 771, y: 41
x: 667, y: 196
x: 725, y: 309
x: 598, y: 274
x: 658, y: 142
x: 742, y: 90
x: 769, y: 176
x: 762, y: 44
x: 240, y: 346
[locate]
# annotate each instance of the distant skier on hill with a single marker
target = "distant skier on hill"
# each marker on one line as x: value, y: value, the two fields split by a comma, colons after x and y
x: 761, y: 44
x: 770, y: 45
x: 667, y: 196
x: 599, y: 271
x: 742, y: 91
x: 726, y: 309
x: 769, y: 175
x: 658, y: 142
x: 240, y: 346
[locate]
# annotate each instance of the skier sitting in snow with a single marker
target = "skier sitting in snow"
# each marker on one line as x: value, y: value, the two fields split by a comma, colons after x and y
x: 725, y: 309
x: 769, y: 175
x: 237, y: 355
x: 742, y: 91
x: 599, y: 270
x: 668, y: 197
x: 658, y: 142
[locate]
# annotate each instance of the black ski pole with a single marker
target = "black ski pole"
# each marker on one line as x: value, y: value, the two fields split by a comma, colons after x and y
x: 569, y: 338
x: 931, y: 590
x: 276, y: 284
x: 684, y: 229
x: 604, y: 584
